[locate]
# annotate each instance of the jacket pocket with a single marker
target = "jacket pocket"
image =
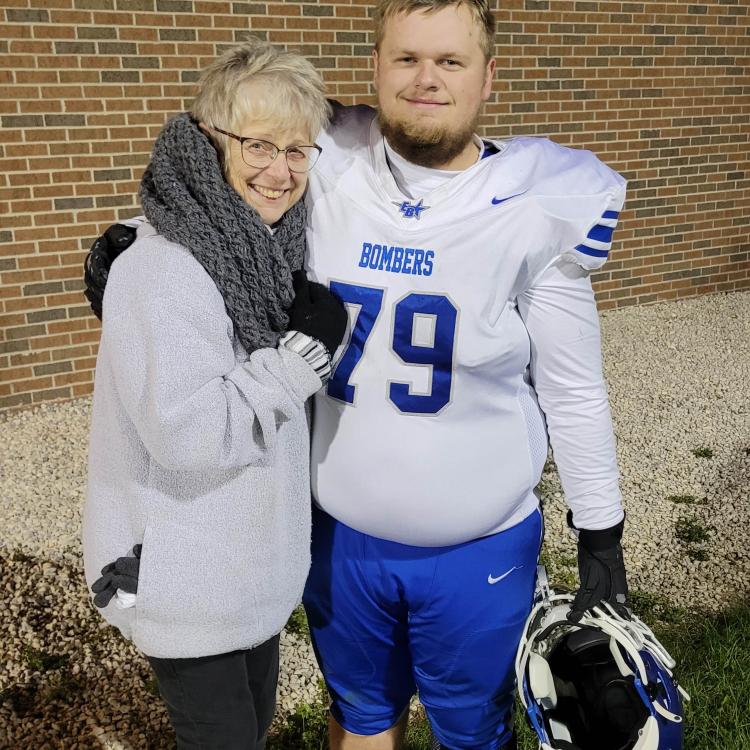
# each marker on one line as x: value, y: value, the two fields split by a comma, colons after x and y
x: 194, y: 572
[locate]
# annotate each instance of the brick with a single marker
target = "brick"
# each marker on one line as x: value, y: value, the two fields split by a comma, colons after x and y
x: 16, y: 374
x: 37, y: 289
x: 101, y: 175
x: 72, y: 353
x: 96, y: 32
x: 53, y: 369
x: 74, y: 285
x: 75, y: 48
x: 317, y: 10
x: 15, y: 319
x: 62, y: 204
x: 49, y: 342
x: 26, y: 16
x: 45, y: 315
x: 79, y: 391
x: 86, y: 366
x: 141, y: 5
x: 254, y: 9
x: 94, y: 4
x: 52, y: 394
x: 80, y: 338
x: 120, y: 76
x: 141, y: 62
x: 117, y: 48
x: 64, y: 121
x: 177, y: 35
x: 22, y: 121
x: 108, y: 201
x: 24, y: 332
x: 14, y: 346
x: 174, y: 6
x: 84, y: 311
x: 17, y: 399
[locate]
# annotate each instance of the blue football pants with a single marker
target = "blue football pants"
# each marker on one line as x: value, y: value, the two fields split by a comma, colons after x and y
x: 388, y: 619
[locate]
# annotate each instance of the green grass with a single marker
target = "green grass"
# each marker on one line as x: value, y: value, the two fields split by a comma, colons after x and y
x: 61, y: 687
x: 696, y: 553
x: 297, y: 624
x: 151, y: 685
x: 691, y: 531
x: 685, y: 500
x: 306, y: 729
x: 713, y: 658
x: 703, y: 452
x: 561, y: 569
x: 713, y: 665
x: 654, y: 609
x: 418, y: 735
x: 41, y: 661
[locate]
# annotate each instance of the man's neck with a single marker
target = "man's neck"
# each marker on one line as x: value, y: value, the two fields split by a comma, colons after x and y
x: 464, y: 160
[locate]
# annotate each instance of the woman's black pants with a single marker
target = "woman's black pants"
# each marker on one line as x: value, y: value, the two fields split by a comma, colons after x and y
x: 222, y: 702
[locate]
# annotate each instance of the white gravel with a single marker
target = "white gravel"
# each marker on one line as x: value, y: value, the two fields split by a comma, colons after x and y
x: 679, y: 376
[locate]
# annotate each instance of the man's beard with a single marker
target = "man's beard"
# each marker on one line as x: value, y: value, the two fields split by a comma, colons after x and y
x: 426, y: 145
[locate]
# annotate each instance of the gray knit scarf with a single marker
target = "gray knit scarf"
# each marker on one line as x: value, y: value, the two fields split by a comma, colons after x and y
x: 187, y: 200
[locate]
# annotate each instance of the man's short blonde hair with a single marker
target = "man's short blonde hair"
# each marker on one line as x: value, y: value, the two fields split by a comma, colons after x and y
x: 291, y: 91
x: 479, y: 9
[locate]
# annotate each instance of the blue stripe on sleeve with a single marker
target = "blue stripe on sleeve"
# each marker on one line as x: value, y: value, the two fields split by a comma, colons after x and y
x: 601, y: 233
x: 611, y: 215
x: 591, y: 251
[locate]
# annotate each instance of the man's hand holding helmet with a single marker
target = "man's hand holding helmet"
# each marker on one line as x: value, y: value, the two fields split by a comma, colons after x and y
x: 601, y: 570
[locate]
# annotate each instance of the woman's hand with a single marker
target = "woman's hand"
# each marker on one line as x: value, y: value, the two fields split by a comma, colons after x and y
x: 121, y: 574
x: 317, y: 312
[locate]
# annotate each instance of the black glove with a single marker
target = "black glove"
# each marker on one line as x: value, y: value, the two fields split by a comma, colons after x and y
x: 120, y: 574
x: 601, y: 570
x: 99, y: 260
x: 317, y: 312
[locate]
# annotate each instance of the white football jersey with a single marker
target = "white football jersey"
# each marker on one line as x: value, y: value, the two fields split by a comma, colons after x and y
x: 430, y: 432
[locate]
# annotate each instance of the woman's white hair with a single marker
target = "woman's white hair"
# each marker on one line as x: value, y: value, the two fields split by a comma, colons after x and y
x: 291, y: 91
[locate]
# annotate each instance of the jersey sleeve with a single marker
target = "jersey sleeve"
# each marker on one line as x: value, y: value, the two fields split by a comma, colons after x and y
x: 559, y: 312
x: 581, y: 199
x: 589, y: 240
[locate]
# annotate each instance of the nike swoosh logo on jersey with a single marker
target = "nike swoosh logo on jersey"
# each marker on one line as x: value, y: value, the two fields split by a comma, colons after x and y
x: 491, y: 580
x: 498, y: 201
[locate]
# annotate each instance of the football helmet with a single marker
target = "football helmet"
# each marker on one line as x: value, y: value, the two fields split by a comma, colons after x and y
x: 603, y: 683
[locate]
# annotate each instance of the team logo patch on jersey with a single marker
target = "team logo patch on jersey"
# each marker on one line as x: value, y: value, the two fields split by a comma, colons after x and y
x: 410, y: 210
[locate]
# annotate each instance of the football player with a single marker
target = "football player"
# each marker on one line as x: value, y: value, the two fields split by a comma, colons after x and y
x: 473, y: 344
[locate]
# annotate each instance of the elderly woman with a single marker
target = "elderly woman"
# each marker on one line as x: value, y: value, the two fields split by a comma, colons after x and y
x: 197, y: 519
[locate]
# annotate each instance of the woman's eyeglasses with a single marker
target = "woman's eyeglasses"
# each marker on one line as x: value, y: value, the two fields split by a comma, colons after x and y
x: 259, y: 154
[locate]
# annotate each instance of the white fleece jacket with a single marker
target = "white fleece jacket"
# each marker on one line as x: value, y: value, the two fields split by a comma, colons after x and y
x: 201, y: 454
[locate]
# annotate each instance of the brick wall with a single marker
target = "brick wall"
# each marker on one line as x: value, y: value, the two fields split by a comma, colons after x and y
x: 660, y: 90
